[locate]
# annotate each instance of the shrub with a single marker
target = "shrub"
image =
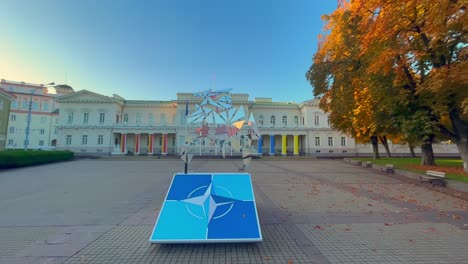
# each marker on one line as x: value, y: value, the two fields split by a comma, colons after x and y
x: 21, y: 158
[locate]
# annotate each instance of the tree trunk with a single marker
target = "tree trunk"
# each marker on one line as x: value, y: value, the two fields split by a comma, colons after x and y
x: 463, y: 148
x: 383, y: 139
x: 375, y: 146
x: 427, y: 154
x: 411, y: 149
x: 460, y: 138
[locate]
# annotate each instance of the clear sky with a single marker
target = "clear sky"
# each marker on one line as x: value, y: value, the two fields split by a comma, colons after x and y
x: 151, y: 51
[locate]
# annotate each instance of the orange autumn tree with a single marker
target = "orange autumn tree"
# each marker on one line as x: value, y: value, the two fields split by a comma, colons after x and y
x: 421, y: 45
x: 348, y: 94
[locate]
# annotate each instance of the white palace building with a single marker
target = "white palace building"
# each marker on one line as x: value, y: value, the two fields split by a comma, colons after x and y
x: 97, y: 124
x: 91, y: 122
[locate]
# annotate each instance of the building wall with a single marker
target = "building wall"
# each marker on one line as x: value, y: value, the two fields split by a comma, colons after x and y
x: 44, y: 115
x: 91, y: 144
x: 143, y: 119
x: 4, y: 119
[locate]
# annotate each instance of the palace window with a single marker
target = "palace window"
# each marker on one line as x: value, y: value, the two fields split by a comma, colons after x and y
x: 85, y: 118
x: 138, y: 118
x: 41, y: 142
x: 100, y: 139
x: 330, y: 141
x: 260, y: 120
x: 12, y: 130
x: 183, y: 118
x: 69, y: 140
x: 42, y: 131
x: 273, y: 120
x: 316, y: 120
x: 163, y: 119
x: 14, y: 104
x: 10, y: 142
x: 125, y: 118
x: 84, y: 140
x: 343, y: 141
x: 70, y: 118
x: 102, y: 118
x: 285, y: 120
x: 45, y: 106
x: 317, y: 141
x: 296, y: 120
x: 13, y: 117
x: 328, y: 121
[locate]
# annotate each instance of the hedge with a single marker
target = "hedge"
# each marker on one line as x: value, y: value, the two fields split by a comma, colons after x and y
x: 21, y: 158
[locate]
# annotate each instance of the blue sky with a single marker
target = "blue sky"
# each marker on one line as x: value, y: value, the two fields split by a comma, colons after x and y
x: 153, y: 50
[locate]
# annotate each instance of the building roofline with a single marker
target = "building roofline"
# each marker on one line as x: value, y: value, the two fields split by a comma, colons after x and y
x: 7, y: 94
x: 22, y: 83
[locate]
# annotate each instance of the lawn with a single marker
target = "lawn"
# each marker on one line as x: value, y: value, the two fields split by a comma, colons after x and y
x: 452, y: 167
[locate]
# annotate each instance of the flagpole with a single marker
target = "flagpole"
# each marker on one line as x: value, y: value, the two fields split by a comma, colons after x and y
x: 186, y: 136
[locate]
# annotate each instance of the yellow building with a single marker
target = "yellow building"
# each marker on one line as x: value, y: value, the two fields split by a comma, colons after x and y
x: 5, y: 99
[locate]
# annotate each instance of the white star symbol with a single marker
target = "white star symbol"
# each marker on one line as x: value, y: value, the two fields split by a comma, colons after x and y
x: 207, y: 202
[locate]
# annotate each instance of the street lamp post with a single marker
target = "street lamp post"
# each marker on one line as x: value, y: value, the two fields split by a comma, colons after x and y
x: 26, y: 141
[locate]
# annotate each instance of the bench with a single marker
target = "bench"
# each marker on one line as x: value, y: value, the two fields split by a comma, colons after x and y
x: 433, y: 177
x: 388, y: 168
x: 368, y: 164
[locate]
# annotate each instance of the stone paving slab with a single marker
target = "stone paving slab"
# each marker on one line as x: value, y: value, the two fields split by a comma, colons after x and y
x: 311, y: 211
x: 129, y: 244
x: 381, y: 243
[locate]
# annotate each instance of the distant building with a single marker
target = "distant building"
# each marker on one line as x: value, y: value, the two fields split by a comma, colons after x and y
x: 5, y: 100
x: 43, y: 113
x: 94, y: 123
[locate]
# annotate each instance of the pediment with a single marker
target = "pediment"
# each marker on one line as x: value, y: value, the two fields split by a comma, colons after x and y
x: 85, y: 96
x: 312, y: 102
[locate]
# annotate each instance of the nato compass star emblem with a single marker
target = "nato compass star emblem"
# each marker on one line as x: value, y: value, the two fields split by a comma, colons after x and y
x: 208, y: 208
x: 214, y: 198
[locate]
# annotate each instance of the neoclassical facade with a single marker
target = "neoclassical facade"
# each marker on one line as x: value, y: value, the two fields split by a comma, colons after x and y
x: 36, y: 103
x: 95, y: 123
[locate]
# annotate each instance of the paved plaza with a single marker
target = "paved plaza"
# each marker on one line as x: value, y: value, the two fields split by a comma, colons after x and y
x: 311, y: 211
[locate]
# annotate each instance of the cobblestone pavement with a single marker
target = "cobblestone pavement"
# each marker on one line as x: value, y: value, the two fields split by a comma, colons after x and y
x: 311, y: 211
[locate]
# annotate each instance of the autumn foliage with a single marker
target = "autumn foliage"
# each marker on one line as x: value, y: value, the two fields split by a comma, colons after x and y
x: 396, y: 68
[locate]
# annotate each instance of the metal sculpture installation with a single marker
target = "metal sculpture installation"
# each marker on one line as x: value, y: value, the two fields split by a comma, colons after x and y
x: 221, y: 124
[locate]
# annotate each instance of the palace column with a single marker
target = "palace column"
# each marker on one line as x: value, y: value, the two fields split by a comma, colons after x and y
x: 272, y: 145
x: 260, y: 143
x: 123, y: 143
x: 164, y: 144
x: 283, y: 145
x: 296, y: 145
x: 150, y: 143
x: 137, y: 143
